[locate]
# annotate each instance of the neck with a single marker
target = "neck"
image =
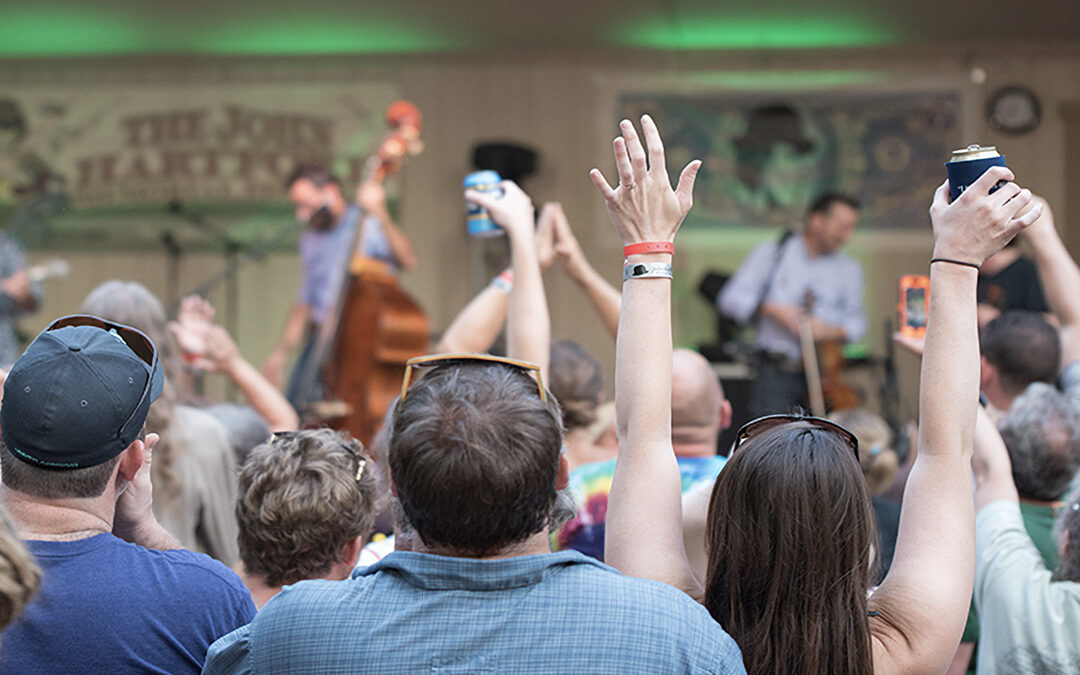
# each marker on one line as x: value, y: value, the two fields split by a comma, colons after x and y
x: 694, y: 441
x: 813, y: 247
x: 536, y: 544
x: 260, y: 592
x: 57, y: 519
x: 1054, y: 504
x: 581, y: 450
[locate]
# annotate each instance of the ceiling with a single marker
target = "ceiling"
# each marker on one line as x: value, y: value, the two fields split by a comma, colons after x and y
x: 71, y: 28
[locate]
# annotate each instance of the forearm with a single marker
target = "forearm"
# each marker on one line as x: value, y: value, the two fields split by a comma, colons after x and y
x: 643, y: 533
x: 400, y: 244
x: 604, y: 297
x: 950, y: 365
x: 477, y: 326
x: 295, y: 327
x: 991, y: 465
x: 528, y: 328
x: 1058, y: 274
x: 263, y: 396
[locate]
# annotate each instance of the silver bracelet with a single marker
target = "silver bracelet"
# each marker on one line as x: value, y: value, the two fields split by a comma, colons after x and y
x: 646, y: 270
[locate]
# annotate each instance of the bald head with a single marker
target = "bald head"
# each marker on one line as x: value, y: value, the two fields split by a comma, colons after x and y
x: 698, y: 407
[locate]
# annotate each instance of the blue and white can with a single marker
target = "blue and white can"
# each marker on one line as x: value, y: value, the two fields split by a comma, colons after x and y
x: 478, y: 219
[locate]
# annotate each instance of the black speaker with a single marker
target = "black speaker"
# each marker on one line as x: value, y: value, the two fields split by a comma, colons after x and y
x: 512, y: 162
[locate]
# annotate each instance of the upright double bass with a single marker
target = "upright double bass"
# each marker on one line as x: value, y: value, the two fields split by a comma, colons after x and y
x: 374, y: 326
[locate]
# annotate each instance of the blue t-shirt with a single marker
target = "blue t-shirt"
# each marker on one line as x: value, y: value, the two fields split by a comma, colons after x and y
x: 107, y: 606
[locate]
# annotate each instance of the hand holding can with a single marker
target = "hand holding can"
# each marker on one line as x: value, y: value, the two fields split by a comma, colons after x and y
x: 477, y: 218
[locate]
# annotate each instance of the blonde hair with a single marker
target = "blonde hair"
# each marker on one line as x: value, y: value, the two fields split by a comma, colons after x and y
x: 878, y: 460
x: 19, y: 576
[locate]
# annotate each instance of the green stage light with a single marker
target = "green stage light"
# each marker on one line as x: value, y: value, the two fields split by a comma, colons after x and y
x: 71, y: 30
x: 85, y: 29
x: 775, y: 80
x: 286, y: 35
x: 757, y: 32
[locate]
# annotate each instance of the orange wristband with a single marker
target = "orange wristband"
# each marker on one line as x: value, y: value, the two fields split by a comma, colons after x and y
x: 649, y: 247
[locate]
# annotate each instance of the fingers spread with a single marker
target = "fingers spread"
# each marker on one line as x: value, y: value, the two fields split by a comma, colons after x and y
x: 601, y: 184
x: 622, y: 162
x: 635, y: 150
x: 685, y: 191
x: 657, y: 163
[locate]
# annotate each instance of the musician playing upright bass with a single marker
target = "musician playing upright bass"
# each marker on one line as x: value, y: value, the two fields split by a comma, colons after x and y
x: 771, y: 289
x: 325, y: 250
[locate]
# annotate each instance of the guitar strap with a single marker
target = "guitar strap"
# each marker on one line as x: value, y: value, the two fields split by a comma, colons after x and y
x: 781, y: 246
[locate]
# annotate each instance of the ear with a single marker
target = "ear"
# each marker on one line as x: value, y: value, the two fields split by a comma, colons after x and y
x: 564, y: 473
x: 131, y: 459
x: 725, y: 414
x: 1063, y: 543
x: 350, y: 553
x: 987, y: 373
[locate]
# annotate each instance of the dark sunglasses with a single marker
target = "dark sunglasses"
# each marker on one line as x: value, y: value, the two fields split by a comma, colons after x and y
x: 762, y: 424
x: 135, y: 340
x: 356, y: 453
x: 440, y: 360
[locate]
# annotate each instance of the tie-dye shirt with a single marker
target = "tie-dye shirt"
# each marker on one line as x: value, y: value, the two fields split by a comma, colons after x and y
x: 590, y: 485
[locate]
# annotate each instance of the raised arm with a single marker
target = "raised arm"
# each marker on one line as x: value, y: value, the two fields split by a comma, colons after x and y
x: 371, y: 196
x: 1060, y: 278
x: 991, y: 465
x: 477, y: 326
x: 211, y: 348
x: 923, y: 602
x: 604, y: 298
x: 643, y: 534
x: 528, y: 326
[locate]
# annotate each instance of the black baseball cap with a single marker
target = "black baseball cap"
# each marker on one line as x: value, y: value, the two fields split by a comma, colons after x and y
x: 80, y: 393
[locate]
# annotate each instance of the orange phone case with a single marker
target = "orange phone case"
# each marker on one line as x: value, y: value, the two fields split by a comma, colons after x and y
x: 913, y: 314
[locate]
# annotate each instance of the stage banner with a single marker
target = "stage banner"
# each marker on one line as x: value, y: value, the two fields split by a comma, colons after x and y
x: 114, y: 164
x: 766, y: 157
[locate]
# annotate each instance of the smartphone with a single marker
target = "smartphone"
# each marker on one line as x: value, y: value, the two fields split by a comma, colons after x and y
x: 914, y: 304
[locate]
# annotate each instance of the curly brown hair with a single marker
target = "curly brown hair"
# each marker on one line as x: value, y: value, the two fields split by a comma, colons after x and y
x: 303, y: 496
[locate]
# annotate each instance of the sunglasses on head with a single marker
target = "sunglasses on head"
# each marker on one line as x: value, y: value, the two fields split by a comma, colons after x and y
x: 440, y: 360
x: 135, y: 340
x: 762, y: 424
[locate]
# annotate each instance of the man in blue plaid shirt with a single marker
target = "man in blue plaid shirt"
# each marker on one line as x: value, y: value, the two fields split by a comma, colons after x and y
x: 475, y: 457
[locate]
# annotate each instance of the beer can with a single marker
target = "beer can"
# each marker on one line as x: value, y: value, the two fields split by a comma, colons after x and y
x: 968, y: 164
x: 477, y: 218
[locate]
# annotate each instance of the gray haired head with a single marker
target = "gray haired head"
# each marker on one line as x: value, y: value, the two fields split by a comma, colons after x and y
x: 1042, y: 434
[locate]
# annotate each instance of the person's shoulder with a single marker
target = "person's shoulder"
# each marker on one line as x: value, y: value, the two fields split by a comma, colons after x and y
x: 651, y: 608
x: 199, y: 428
x: 633, y: 594
x: 197, y: 567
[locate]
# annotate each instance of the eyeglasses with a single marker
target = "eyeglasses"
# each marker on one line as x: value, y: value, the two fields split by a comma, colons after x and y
x: 440, y: 360
x: 355, y: 452
x: 135, y: 340
x: 762, y: 424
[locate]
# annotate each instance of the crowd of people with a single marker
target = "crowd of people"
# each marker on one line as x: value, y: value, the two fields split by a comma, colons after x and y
x: 508, y: 519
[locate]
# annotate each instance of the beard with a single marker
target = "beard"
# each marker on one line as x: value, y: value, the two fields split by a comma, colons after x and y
x: 322, y: 219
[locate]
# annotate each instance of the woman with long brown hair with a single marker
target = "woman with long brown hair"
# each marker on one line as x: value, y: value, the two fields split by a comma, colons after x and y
x: 790, y: 525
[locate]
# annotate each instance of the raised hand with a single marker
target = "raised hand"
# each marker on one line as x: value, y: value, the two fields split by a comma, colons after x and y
x: 545, y: 234
x: 979, y: 224
x: 643, y: 207
x: 513, y: 210
x: 194, y: 318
